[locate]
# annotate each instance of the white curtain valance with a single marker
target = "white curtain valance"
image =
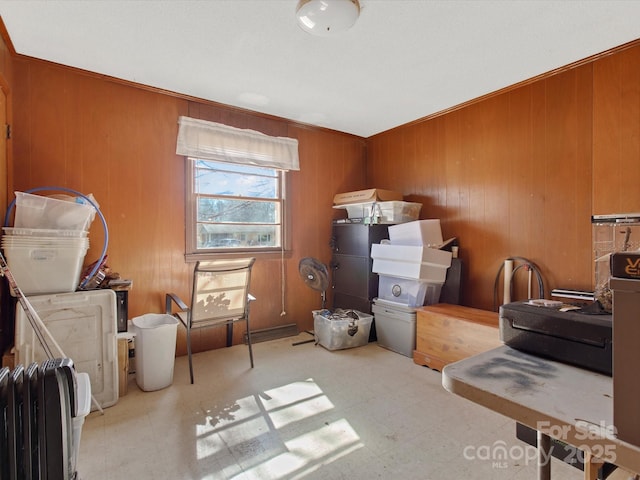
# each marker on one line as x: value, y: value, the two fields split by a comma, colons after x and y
x: 214, y: 141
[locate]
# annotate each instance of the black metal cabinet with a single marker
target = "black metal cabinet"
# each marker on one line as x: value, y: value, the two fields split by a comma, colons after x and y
x: 354, y: 284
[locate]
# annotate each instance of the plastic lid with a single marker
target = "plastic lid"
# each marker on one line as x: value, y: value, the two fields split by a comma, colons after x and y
x: 44, y: 232
x: 402, y: 307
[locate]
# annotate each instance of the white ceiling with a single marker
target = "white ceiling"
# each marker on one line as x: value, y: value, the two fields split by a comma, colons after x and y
x: 403, y: 60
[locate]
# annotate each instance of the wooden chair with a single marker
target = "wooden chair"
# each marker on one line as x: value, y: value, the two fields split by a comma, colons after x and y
x: 219, y: 296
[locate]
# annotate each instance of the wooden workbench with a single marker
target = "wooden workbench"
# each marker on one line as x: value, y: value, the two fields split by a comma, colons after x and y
x: 560, y: 401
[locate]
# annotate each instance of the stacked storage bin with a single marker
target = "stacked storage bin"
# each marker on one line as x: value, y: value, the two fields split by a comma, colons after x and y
x: 383, y: 212
x: 412, y: 270
x: 46, y: 247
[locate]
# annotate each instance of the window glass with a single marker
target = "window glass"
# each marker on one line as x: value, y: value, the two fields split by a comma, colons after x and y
x: 234, y: 207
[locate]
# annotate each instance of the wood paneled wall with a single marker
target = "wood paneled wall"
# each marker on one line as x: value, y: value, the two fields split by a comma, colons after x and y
x: 616, y: 139
x: 6, y: 79
x: 114, y: 140
x: 516, y: 174
x: 520, y: 173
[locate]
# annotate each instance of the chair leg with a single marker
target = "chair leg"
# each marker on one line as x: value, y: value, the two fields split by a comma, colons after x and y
x: 189, y: 353
x: 229, y: 333
x: 249, y: 342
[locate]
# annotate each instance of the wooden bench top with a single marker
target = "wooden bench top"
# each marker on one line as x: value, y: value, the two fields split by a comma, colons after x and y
x: 474, y: 315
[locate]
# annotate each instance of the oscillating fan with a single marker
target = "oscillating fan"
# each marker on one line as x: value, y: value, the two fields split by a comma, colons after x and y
x: 315, y: 274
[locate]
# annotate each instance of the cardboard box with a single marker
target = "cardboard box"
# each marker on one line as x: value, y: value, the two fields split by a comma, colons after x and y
x: 370, y: 195
x: 625, y: 265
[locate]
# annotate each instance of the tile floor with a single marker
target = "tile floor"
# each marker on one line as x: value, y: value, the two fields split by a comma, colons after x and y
x: 303, y: 412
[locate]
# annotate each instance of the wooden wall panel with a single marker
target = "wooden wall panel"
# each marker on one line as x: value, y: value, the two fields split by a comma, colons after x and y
x: 509, y: 176
x: 118, y: 142
x: 616, y: 133
x: 6, y: 79
x: 335, y: 164
x: 6, y: 178
x: 568, y: 178
x: 516, y: 174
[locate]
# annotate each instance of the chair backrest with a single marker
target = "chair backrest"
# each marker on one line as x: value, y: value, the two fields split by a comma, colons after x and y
x: 220, y: 290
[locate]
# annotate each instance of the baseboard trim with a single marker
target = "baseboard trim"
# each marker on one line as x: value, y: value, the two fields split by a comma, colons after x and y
x: 272, y: 333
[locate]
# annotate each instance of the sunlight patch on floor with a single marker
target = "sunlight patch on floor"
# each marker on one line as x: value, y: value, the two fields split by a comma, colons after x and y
x: 265, y: 414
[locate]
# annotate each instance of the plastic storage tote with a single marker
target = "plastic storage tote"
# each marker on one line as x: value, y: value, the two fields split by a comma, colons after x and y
x: 383, y: 212
x: 40, y: 270
x: 335, y: 332
x: 395, y: 327
x: 37, y: 211
x: 406, y: 291
x: 155, y: 350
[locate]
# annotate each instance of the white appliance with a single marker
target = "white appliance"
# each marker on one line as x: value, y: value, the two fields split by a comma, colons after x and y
x: 85, y: 327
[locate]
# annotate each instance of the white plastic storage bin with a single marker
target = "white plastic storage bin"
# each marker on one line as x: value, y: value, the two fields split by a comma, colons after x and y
x: 339, y: 334
x: 383, y: 212
x: 427, y: 272
x: 359, y: 210
x: 407, y: 291
x: 45, y: 269
x: 411, y: 253
x: 420, y: 232
x: 399, y: 212
x: 395, y: 327
x: 411, y: 261
x: 155, y: 350
x: 37, y: 211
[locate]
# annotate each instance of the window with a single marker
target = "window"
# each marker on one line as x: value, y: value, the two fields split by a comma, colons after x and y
x: 234, y: 207
x: 235, y: 187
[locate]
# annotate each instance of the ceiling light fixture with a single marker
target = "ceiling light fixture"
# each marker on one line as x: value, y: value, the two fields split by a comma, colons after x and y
x: 325, y: 17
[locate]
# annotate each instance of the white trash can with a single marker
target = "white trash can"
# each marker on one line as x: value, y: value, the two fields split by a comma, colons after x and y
x: 155, y: 350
